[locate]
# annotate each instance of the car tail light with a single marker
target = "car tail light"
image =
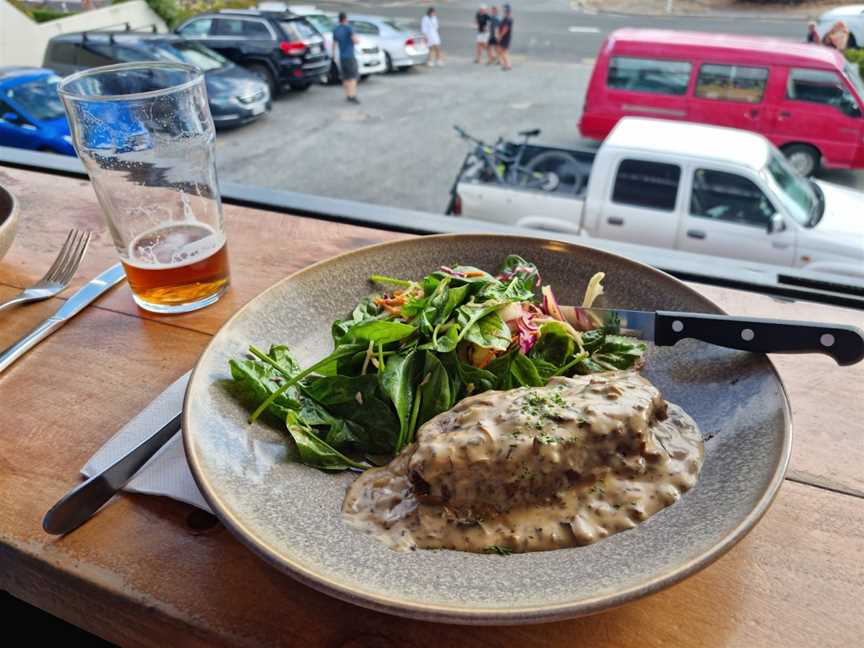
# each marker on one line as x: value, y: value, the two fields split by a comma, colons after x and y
x: 457, y: 206
x: 292, y: 48
x: 409, y: 42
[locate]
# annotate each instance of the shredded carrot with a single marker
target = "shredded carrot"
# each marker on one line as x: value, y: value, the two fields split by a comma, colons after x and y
x: 474, y: 273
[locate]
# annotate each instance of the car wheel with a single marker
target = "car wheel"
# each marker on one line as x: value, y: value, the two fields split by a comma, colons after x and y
x: 363, y: 77
x: 803, y: 157
x: 300, y: 87
x: 263, y: 72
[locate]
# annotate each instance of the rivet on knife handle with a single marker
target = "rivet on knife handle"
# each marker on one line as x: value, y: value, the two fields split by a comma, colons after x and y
x: 843, y: 343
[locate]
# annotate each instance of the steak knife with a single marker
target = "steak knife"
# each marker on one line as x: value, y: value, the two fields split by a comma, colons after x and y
x: 664, y: 328
x: 71, y: 307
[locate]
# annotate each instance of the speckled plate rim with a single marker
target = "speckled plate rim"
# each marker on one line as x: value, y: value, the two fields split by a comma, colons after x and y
x: 477, y: 615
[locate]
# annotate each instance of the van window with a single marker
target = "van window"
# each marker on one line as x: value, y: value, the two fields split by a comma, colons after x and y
x: 94, y: 55
x: 648, y: 75
x: 730, y: 198
x: 731, y: 82
x: 256, y: 29
x: 63, y: 53
x: 647, y: 184
x: 823, y: 87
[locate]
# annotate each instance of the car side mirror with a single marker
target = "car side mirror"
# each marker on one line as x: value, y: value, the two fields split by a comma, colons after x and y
x: 10, y: 117
x: 776, y: 224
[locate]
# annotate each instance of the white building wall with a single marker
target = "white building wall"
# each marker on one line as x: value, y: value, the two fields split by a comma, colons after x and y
x: 23, y: 41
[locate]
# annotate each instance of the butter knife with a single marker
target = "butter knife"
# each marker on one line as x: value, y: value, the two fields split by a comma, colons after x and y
x: 664, y: 328
x: 71, y: 307
x: 80, y: 503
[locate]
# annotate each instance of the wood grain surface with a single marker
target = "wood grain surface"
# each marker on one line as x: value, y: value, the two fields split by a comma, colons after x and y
x: 148, y: 571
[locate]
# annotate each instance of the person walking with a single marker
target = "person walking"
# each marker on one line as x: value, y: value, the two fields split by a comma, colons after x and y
x: 494, y: 24
x: 482, y: 20
x: 429, y: 27
x: 505, y: 34
x: 812, y: 34
x: 837, y: 37
x: 344, y: 37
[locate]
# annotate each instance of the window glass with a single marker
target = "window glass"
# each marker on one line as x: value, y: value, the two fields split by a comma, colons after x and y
x: 730, y: 198
x: 321, y: 22
x: 197, y: 28
x: 256, y: 29
x: 63, y: 53
x: 363, y: 27
x: 226, y: 27
x: 648, y: 75
x: 853, y: 73
x: 647, y: 184
x: 731, y: 82
x: 6, y: 108
x: 300, y: 29
x: 796, y: 193
x: 201, y: 57
x: 823, y: 87
x: 94, y: 55
x: 39, y: 99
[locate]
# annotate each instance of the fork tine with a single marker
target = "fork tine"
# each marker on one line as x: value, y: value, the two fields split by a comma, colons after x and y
x: 61, y: 256
x: 75, y: 257
x: 67, y: 254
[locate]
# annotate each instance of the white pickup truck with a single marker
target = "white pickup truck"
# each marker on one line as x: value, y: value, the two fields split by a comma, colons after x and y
x: 691, y: 187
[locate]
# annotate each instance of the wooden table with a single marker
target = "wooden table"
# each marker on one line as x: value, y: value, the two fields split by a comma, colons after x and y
x: 145, y: 571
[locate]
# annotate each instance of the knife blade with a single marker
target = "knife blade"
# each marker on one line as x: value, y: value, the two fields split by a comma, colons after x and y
x: 80, y: 503
x: 665, y: 328
x: 71, y: 307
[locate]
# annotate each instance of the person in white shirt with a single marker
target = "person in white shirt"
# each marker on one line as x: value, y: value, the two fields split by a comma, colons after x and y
x: 429, y: 27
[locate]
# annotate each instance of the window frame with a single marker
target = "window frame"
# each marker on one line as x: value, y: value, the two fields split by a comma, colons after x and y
x: 228, y: 17
x: 193, y: 21
x: 732, y: 67
x: 838, y: 77
x: 632, y: 205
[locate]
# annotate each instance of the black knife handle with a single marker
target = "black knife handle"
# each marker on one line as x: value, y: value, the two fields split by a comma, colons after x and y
x: 843, y: 343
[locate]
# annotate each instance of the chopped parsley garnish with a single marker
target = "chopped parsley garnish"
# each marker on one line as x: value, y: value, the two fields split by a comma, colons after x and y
x: 498, y: 549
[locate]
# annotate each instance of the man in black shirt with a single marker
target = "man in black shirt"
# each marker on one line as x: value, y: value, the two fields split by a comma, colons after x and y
x: 505, y: 34
x: 494, y: 22
x: 482, y: 20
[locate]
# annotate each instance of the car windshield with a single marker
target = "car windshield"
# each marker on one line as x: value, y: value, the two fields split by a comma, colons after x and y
x: 184, y: 52
x: 39, y: 99
x: 392, y: 25
x: 321, y: 22
x: 795, y: 192
x: 853, y: 73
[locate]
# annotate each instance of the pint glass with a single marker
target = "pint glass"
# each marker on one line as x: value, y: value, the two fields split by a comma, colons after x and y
x: 145, y: 135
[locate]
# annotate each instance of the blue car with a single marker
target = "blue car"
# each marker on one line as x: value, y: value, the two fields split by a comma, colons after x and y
x: 31, y: 113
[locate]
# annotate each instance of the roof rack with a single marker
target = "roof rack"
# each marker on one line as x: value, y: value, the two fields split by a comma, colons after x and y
x: 152, y: 27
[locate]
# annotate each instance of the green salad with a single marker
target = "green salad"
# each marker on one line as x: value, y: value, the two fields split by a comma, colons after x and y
x: 414, y: 349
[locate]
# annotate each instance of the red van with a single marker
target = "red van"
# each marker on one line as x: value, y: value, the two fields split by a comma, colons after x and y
x: 806, y: 99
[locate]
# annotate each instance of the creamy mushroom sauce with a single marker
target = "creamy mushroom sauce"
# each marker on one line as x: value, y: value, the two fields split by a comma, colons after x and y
x: 533, y: 469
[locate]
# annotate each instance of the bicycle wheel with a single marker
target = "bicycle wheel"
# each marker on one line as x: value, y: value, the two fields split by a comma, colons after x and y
x: 553, y: 171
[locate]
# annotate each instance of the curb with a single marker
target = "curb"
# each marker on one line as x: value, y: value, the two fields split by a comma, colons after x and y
x: 732, y: 15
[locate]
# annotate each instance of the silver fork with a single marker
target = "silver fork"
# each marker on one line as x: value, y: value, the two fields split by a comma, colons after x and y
x: 59, y: 274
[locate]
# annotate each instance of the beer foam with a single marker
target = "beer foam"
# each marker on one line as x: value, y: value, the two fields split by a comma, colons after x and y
x: 174, y: 244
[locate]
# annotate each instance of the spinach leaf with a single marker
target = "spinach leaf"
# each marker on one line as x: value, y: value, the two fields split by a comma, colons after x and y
x: 364, y: 311
x: 315, y: 451
x: 469, y: 314
x: 254, y: 382
x: 525, y: 272
x: 490, y: 332
x: 555, y: 344
x: 399, y: 382
x: 282, y: 356
x: 434, y: 393
x: 455, y: 297
x: 524, y: 372
x: 379, y: 331
x: 345, y: 434
x: 358, y: 399
x: 544, y: 369
x: 464, y: 378
x: 501, y: 368
x: 442, y: 343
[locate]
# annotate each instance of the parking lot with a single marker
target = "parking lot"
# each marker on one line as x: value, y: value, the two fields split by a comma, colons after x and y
x: 398, y: 147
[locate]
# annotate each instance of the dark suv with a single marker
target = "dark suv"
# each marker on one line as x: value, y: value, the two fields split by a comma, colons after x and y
x: 235, y: 95
x: 279, y: 47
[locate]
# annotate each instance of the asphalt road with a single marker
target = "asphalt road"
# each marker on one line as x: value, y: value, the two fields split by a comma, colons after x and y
x: 398, y: 147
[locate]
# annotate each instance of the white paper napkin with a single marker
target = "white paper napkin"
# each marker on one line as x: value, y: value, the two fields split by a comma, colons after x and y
x: 167, y: 472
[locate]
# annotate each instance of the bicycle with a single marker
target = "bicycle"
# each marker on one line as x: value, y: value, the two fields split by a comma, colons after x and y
x: 502, y: 163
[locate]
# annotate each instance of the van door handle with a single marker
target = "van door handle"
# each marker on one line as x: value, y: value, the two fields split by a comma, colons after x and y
x: 785, y: 114
x: 753, y: 113
x: 615, y: 220
x: 779, y: 245
x: 697, y: 234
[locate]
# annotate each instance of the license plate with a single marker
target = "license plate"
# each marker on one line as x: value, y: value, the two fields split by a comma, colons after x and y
x: 257, y: 110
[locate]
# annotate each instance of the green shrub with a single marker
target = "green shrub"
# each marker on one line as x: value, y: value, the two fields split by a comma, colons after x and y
x: 856, y: 56
x: 44, y: 15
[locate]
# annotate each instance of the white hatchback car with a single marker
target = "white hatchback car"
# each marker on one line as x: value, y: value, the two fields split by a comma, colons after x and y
x: 852, y: 16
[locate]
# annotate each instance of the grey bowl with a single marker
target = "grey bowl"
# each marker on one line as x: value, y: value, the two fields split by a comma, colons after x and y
x: 290, y: 514
x: 8, y: 220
